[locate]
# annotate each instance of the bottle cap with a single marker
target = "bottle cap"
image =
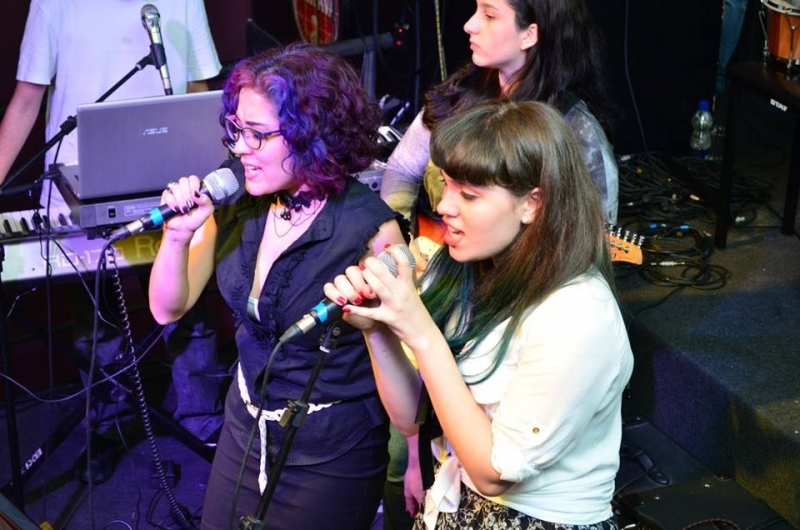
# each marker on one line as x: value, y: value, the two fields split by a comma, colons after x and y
x: 703, y: 105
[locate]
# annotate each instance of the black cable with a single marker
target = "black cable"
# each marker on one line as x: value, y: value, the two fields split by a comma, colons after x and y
x: 628, y: 77
x: 262, y: 398
x: 128, y: 360
x: 647, y: 190
x: 677, y: 256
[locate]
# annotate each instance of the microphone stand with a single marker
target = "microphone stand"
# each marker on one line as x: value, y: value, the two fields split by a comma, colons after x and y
x: 15, y: 485
x: 16, y: 495
x: 293, y: 418
x: 68, y: 125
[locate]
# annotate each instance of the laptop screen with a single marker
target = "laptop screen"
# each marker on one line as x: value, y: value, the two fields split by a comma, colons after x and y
x: 136, y: 146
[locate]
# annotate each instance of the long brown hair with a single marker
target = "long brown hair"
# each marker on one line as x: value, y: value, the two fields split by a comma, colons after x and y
x: 519, y: 146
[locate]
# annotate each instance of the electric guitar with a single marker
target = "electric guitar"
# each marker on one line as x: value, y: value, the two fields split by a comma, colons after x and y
x: 624, y: 245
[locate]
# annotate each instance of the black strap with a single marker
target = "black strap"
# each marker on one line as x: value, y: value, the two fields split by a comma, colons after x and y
x: 429, y: 428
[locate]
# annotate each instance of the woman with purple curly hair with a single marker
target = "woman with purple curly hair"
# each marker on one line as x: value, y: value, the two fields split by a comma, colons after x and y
x: 299, y: 125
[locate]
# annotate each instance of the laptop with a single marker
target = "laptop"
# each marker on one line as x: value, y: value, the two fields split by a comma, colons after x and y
x: 135, y: 147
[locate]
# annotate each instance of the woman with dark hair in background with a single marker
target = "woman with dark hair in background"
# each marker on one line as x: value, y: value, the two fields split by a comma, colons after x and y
x: 522, y: 50
x: 300, y: 125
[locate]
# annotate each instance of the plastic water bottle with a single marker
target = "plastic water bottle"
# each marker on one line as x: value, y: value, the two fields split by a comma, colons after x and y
x: 702, y: 124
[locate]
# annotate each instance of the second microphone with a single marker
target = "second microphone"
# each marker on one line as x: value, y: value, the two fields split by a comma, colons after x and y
x: 328, y: 310
x: 218, y: 185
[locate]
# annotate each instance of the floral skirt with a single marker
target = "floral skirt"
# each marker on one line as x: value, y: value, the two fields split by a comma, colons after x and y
x: 478, y: 513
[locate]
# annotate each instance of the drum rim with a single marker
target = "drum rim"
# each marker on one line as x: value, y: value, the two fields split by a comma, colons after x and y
x: 781, y: 7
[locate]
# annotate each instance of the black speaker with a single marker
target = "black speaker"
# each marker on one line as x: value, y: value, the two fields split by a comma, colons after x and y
x: 661, y: 487
x: 710, y: 502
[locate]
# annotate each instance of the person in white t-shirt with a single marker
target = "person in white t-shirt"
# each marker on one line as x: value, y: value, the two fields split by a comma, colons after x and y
x: 521, y: 349
x: 72, y: 52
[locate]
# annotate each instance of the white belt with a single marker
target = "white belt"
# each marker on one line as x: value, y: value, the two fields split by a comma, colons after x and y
x: 445, y: 493
x: 267, y: 415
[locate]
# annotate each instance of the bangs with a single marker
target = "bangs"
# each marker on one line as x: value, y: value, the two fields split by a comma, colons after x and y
x: 489, y: 146
x: 467, y: 158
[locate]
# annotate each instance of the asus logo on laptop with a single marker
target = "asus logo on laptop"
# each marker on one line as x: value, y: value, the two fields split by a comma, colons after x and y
x: 155, y: 130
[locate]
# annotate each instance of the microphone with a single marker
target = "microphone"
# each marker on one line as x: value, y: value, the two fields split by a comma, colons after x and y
x: 151, y: 22
x: 327, y: 310
x: 218, y: 185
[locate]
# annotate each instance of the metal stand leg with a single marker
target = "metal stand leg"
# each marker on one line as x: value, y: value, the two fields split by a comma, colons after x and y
x: 723, y: 203
x: 15, y: 493
x: 793, y: 184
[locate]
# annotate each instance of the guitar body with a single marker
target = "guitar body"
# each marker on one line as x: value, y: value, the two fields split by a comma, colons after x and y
x: 318, y: 21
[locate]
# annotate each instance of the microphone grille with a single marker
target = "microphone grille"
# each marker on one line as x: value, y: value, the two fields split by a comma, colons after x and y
x: 221, y: 184
x: 391, y: 264
x: 149, y: 13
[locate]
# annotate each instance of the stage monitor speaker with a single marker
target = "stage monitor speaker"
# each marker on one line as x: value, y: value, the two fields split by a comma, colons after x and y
x: 662, y: 487
x: 707, y: 503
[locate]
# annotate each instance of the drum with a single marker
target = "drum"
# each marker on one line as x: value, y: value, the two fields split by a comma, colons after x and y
x: 783, y: 39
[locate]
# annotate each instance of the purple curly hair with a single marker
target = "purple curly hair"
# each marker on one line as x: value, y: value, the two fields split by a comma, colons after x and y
x: 327, y: 119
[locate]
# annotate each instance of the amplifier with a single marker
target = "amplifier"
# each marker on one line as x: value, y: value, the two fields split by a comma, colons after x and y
x: 661, y: 487
x: 707, y: 503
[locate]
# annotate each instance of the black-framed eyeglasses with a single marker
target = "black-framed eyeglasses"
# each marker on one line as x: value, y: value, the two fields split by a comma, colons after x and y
x: 252, y: 138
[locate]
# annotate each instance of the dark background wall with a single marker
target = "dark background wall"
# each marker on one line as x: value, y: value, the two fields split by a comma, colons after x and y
x: 661, y: 60
x: 661, y: 54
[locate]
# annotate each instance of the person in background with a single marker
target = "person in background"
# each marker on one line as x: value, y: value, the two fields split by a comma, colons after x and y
x: 733, y: 14
x: 300, y: 125
x: 537, y: 50
x: 520, y: 344
x: 72, y: 52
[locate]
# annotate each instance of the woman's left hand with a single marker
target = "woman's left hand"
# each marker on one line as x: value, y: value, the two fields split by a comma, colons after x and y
x: 374, y: 294
x: 351, y: 288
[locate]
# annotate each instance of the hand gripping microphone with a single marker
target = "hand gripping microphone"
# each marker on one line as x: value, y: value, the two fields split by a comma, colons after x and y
x: 218, y: 185
x: 151, y: 21
x: 327, y: 310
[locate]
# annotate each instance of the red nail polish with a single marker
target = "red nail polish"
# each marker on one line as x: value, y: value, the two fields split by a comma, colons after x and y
x: 347, y: 309
x: 341, y: 300
x: 358, y: 301
x: 362, y: 266
x: 387, y: 245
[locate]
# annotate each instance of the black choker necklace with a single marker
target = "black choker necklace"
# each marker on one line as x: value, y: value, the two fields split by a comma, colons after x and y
x: 292, y: 203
